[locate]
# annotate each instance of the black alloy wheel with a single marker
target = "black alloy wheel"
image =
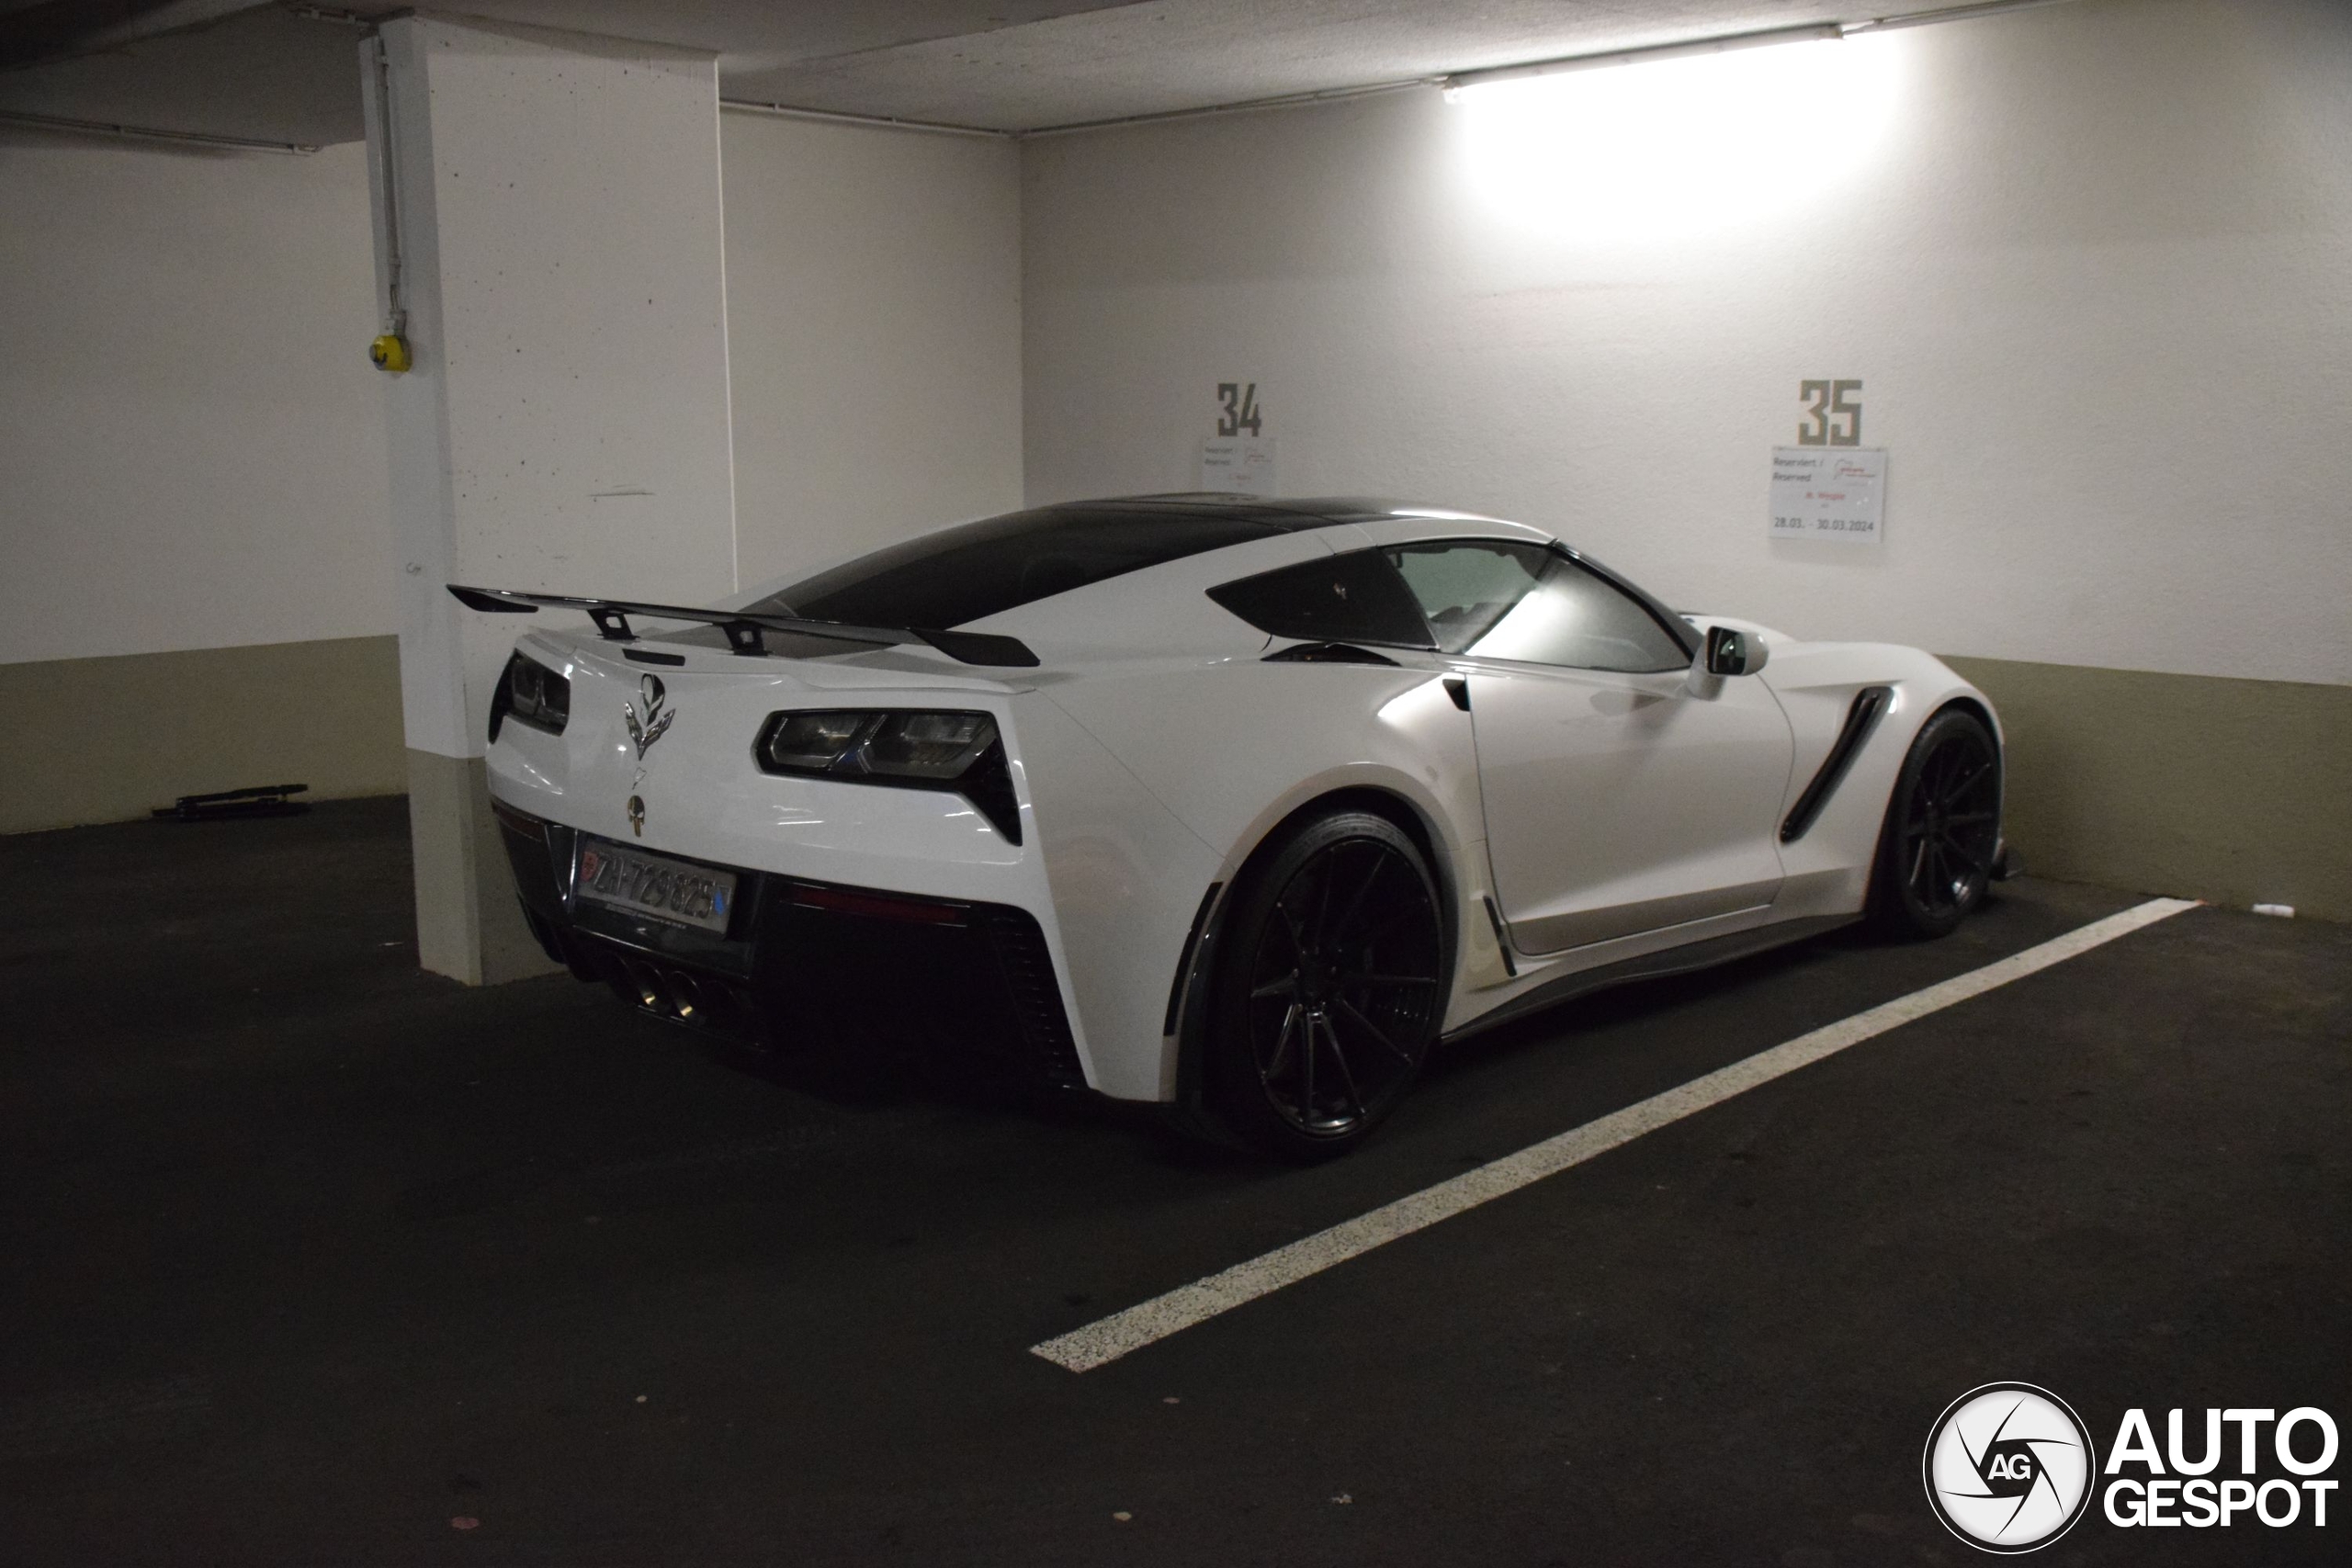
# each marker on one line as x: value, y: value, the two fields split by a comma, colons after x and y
x: 1331, y: 985
x: 1943, y: 827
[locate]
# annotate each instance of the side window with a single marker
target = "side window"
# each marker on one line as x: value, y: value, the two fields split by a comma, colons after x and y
x: 1349, y: 598
x: 1522, y: 602
x: 1465, y: 588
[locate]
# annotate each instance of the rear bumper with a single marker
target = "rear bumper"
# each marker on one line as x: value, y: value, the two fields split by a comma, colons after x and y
x: 813, y: 964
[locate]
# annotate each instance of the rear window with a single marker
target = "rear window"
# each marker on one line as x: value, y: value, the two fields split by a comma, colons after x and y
x: 983, y: 569
x: 1356, y: 597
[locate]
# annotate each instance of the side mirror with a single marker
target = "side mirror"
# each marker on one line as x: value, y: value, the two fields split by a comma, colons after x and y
x: 1731, y: 652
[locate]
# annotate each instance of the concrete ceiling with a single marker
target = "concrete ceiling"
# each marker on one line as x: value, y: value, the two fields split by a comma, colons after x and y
x: 1153, y: 58
x: 287, y: 73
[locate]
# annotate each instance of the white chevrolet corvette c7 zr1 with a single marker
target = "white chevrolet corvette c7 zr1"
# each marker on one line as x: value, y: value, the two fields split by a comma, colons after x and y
x: 1235, y: 805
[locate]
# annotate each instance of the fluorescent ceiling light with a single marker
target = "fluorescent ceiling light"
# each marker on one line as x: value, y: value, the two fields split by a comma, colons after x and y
x: 1690, y: 145
x: 1460, y: 81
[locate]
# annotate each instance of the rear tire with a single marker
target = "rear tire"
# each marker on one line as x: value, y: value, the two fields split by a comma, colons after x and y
x: 1943, y: 831
x: 1330, y: 986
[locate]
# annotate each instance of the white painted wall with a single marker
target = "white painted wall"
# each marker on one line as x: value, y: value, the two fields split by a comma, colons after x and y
x: 2096, y: 271
x: 566, y: 426
x: 873, y: 328
x: 191, y: 440
x: 2093, y: 264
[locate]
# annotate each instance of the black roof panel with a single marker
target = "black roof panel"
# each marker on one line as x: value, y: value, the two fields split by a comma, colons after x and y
x: 1313, y: 512
x: 976, y: 569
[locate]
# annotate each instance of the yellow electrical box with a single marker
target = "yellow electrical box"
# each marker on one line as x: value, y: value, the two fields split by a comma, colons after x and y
x: 390, y: 352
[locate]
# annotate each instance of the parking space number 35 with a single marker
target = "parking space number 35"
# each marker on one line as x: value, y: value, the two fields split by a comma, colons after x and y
x: 1834, y: 413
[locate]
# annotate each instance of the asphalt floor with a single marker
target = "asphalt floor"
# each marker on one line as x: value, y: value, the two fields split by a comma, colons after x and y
x: 309, y: 1257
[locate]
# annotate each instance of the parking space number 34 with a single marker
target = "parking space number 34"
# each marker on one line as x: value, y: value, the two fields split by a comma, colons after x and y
x: 1238, y: 410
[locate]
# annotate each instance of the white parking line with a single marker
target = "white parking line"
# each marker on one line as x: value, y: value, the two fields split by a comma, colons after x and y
x: 1107, y: 1339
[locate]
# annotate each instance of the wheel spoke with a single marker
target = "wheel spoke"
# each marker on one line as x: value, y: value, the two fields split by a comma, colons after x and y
x: 1290, y: 927
x: 1307, y: 1073
x: 1954, y: 790
x: 1378, y: 1034
x: 1936, y: 861
x: 1272, y: 1069
x: 1352, y: 937
x: 1340, y: 1060
x: 1379, y: 864
x: 1947, y: 761
x: 1330, y: 866
x: 1373, y: 938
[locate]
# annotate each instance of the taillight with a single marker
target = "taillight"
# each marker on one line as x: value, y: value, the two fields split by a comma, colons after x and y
x: 530, y: 692
x: 916, y: 749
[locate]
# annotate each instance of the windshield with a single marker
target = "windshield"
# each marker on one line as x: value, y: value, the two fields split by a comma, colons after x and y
x: 982, y: 569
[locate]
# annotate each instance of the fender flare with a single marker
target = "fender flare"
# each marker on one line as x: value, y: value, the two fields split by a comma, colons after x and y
x: 1188, y: 1011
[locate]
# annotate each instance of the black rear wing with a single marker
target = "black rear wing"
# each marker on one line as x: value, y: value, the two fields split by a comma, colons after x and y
x: 746, y: 630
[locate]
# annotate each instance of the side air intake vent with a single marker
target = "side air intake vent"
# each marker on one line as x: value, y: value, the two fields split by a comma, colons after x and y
x: 1860, y: 719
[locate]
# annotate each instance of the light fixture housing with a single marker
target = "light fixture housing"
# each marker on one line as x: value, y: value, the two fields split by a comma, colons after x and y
x: 1462, y: 81
x: 1459, y: 82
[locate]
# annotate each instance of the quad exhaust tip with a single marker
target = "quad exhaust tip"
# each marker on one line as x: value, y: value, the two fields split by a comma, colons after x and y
x: 678, y: 994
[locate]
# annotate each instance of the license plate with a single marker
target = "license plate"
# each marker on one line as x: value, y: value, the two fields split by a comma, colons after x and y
x: 655, y: 886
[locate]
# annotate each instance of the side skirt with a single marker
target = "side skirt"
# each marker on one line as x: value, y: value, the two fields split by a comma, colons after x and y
x: 1652, y: 967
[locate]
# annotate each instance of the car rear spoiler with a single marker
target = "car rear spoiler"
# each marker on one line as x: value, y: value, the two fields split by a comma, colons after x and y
x: 746, y: 630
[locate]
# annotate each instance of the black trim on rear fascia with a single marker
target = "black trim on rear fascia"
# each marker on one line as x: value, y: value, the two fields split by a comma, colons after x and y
x: 1184, y: 958
x: 1862, y: 717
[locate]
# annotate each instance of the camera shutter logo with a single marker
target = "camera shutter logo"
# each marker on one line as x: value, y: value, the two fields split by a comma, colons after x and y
x: 2009, y: 1467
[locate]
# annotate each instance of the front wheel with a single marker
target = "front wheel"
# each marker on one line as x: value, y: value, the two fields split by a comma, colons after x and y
x: 1330, y: 988
x: 1943, y: 827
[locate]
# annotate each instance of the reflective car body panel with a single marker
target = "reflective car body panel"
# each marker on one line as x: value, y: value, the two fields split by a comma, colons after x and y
x: 1576, y: 818
x: 1619, y: 803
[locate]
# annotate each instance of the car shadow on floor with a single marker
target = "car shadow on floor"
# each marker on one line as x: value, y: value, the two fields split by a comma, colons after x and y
x: 1815, y: 981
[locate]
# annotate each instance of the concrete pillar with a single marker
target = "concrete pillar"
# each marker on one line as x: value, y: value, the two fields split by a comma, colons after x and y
x: 549, y: 232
